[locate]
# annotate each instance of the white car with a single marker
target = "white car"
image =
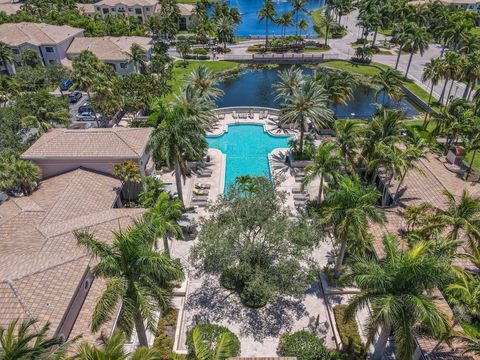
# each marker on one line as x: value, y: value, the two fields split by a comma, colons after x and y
x: 85, y: 116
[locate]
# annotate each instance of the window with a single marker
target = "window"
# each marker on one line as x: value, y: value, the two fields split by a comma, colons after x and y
x: 113, y: 9
x: 123, y: 65
x: 147, y: 9
x: 138, y: 11
x: 130, y: 9
x: 105, y: 11
x: 98, y: 8
x: 49, y: 49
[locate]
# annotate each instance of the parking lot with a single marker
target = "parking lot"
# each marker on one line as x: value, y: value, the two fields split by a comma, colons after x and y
x: 73, y: 111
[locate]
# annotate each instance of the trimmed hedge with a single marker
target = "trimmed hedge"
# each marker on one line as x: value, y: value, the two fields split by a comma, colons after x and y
x: 303, y: 345
x: 212, y: 333
x: 163, y: 341
x: 349, y: 333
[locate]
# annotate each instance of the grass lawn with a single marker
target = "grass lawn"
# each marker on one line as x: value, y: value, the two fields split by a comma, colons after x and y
x: 179, y: 71
x: 316, y: 16
x: 387, y: 32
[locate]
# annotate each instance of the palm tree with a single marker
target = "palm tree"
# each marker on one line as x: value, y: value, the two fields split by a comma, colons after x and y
x: 224, y: 27
x: 285, y: 20
x: 303, y: 25
x: 224, y: 349
x: 338, y: 84
x: 152, y: 188
x: 16, y: 173
x: 473, y: 145
x: 298, y: 6
x: 6, y: 54
x: 389, y: 84
x: 196, y: 106
x: 419, y: 40
x: 267, y: 13
x: 326, y: 23
x: 349, y: 209
x: 205, y: 81
x: 24, y: 341
x: 307, y: 103
x: 137, y: 56
x: 465, y: 290
x: 396, y: 289
x: 138, y: 277
x: 471, y: 344
x: 163, y: 218
x: 290, y: 80
x: 346, y: 136
x: 178, y: 138
x: 8, y: 89
x: 410, y: 156
x: 113, y: 348
x: 400, y: 36
x: 129, y: 173
x: 461, y: 215
x: 470, y: 73
x: 433, y: 71
x: 326, y: 165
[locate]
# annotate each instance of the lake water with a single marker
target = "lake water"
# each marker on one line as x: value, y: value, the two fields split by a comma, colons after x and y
x: 251, y: 26
x: 255, y: 88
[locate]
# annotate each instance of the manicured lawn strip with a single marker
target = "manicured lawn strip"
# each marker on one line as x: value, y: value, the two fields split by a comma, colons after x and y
x: 368, y: 70
x: 387, y: 32
x: 165, y: 334
x: 179, y: 72
x: 348, y: 329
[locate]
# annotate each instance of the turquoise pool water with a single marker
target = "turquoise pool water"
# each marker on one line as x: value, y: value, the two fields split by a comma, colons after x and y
x: 246, y: 147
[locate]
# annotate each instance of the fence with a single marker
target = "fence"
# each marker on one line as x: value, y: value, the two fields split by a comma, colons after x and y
x: 289, y: 58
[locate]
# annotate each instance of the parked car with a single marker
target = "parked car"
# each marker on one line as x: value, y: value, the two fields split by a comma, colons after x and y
x: 85, y: 116
x: 65, y: 85
x: 85, y: 108
x: 75, y: 96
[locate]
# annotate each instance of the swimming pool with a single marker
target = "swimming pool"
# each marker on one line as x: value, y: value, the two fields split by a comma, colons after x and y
x: 247, y: 147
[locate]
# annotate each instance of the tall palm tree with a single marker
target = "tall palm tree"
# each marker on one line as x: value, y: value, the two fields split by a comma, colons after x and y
x: 298, y: 6
x: 16, y: 173
x: 205, y: 81
x: 465, y: 290
x: 267, y: 13
x: 285, y: 20
x: 303, y: 25
x: 138, y: 277
x: 400, y: 36
x: 470, y: 73
x: 326, y: 22
x: 163, y: 218
x: 8, y: 89
x: 290, y: 80
x: 224, y: 348
x: 24, y: 341
x: 137, y: 57
x: 348, y: 210
x: 113, y: 348
x: 388, y: 84
x: 433, y: 72
x: 419, y: 41
x: 309, y: 102
x: 471, y: 344
x: 224, y: 27
x: 348, y: 140
x: 178, y: 138
x: 326, y: 165
x: 129, y: 173
x: 6, y: 54
x: 196, y: 106
x: 396, y: 289
x: 152, y: 188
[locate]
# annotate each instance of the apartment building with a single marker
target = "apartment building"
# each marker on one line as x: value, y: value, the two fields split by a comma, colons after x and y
x: 49, y: 41
x: 141, y: 9
x: 114, y: 51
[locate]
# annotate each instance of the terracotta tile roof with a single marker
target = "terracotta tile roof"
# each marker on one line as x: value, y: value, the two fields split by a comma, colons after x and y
x: 41, y: 265
x: 90, y: 143
x: 9, y: 8
x: 426, y: 185
x: 186, y: 9
x: 16, y: 34
x: 86, y: 8
x: 108, y: 47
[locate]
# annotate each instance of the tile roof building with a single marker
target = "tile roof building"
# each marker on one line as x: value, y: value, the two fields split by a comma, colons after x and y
x: 114, y: 51
x: 141, y: 9
x: 10, y: 8
x: 50, y: 42
x: 43, y: 273
x: 98, y: 149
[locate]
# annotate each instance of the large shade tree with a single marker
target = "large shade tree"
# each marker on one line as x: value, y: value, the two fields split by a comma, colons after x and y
x: 138, y: 278
x: 254, y: 243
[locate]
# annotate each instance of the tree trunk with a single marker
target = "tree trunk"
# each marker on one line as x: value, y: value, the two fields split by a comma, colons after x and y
x: 409, y: 63
x: 301, y: 138
x: 320, y: 189
x: 381, y: 343
x: 166, y: 248
x: 178, y: 180
x: 449, y: 92
x: 442, y: 95
x: 341, y: 255
x: 469, y: 170
x: 266, y: 34
x: 467, y: 89
x: 399, y: 185
x: 90, y: 102
x: 140, y: 327
x: 296, y: 23
x: 374, y: 37
x: 326, y: 35
x: 428, y: 111
x: 398, y: 56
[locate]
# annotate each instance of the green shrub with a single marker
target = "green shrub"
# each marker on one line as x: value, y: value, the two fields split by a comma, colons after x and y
x: 235, y: 278
x: 212, y: 333
x: 164, y: 341
x: 181, y: 37
x: 200, y: 51
x: 303, y: 345
x: 348, y: 330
